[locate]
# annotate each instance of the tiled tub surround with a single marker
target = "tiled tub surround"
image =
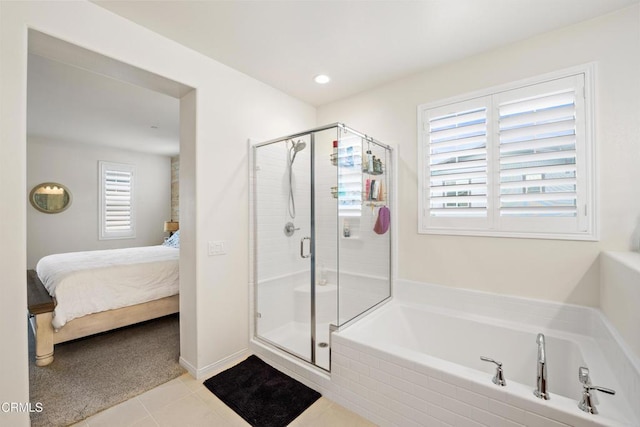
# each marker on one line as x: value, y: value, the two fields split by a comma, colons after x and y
x: 415, y: 361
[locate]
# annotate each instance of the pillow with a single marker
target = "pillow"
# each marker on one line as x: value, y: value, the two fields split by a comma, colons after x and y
x: 173, y: 241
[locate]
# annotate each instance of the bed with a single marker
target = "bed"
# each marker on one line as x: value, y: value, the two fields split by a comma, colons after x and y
x: 77, y: 294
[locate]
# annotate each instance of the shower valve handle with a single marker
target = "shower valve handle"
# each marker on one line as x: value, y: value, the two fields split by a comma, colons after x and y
x: 289, y: 229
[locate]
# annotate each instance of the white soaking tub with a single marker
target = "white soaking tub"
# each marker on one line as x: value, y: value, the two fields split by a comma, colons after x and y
x: 410, y: 364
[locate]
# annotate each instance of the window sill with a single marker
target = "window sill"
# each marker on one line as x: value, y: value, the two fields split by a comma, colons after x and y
x: 514, y: 235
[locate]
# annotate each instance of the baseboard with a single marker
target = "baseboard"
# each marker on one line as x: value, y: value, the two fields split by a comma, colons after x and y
x: 216, y: 367
x: 188, y: 366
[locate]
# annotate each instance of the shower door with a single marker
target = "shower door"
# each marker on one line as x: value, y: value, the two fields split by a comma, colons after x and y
x: 295, y: 293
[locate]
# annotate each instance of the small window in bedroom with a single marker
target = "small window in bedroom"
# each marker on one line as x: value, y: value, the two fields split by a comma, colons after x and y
x: 512, y: 161
x: 117, y: 213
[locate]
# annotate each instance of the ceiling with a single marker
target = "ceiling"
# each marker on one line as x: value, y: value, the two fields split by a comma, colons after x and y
x: 66, y: 103
x: 360, y: 44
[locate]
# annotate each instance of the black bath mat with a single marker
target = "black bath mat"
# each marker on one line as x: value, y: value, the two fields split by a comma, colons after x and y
x: 261, y: 394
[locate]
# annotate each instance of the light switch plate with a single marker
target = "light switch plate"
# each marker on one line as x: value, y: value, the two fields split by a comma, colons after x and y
x: 217, y: 247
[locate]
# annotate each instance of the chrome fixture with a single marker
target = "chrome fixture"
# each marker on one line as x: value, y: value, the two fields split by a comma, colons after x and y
x: 289, y: 229
x: 498, y: 378
x: 302, y: 254
x: 541, y: 377
x: 293, y: 150
x: 587, y: 403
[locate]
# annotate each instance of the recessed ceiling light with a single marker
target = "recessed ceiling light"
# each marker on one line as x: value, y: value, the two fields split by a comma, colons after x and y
x: 322, y: 79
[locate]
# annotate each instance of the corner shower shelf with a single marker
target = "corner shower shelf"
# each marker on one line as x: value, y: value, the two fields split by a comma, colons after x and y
x: 374, y: 203
x: 367, y: 172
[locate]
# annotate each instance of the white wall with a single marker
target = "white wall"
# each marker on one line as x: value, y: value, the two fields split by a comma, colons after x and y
x: 77, y: 228
x: 546, y: 269
x: 229, y: 106
x: 620, y: 294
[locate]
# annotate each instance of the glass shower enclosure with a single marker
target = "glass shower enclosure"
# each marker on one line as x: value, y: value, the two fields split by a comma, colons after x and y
x: 321, y: 236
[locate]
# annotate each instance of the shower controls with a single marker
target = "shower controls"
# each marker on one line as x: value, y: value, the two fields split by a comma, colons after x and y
x: 498, y: 378
x: 289, y: 229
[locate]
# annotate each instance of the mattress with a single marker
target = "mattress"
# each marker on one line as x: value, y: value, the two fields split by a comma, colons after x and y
x: 93, y: 281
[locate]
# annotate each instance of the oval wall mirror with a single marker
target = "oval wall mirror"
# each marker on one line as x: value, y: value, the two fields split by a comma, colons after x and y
x: 50, y: 197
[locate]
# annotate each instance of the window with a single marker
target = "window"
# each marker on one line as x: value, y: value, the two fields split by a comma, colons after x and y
x: 117, y: 212
x: 349, y: 161
x: 516, y: 161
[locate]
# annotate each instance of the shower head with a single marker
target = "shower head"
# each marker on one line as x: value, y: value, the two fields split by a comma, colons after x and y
x: 298, y: 146
x: 295, y: 148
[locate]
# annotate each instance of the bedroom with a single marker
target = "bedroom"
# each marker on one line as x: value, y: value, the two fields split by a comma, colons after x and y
x: 76, y: 119
x: 226, y: 116
x: 114, y: 149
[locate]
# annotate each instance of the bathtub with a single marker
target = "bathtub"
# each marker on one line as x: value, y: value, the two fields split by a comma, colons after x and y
x: 417, y: 364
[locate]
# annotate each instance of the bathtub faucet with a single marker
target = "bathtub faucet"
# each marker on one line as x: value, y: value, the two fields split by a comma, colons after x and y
x: 541, y: 378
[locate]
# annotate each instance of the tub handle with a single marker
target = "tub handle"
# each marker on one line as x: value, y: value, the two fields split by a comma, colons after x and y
x: 588, y: 403
x: 498, y: 378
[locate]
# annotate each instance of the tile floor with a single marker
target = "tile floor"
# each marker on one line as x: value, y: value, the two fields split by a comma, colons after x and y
x: 184, y: 402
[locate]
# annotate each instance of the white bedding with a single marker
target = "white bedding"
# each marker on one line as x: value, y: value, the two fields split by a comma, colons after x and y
x: 93, y: 281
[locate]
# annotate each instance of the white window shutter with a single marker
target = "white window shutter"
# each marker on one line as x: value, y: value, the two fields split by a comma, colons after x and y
x: 349, y: 161
x: 539, y: 137
x: 117, y: 200
x: 455, y: 149
x: 117, y: 213
x: 514, y: 161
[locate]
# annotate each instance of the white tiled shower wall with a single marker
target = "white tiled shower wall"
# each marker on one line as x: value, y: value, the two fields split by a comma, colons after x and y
x: 280, y: 255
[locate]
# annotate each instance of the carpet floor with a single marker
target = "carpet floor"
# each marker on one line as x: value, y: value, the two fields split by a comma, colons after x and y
x: 92, y: 374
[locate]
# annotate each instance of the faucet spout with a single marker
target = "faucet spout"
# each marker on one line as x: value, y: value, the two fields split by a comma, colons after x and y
x: 541, y: 372
x: 541, y: 349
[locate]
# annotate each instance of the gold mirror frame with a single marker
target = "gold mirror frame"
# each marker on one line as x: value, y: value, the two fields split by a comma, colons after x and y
x: 50, y: 197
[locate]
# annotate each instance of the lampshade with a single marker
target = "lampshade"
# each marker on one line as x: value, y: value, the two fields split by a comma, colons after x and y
x: 171, y: 226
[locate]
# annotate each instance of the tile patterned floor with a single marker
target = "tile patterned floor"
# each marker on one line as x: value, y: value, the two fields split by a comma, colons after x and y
x: 184, y: 402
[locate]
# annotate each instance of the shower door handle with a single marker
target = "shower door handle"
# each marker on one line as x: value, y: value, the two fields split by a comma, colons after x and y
x: 302, y: 247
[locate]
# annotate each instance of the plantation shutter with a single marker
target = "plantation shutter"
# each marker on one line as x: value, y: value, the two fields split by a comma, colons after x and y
x: 349, y: 190
x: 117, y: 200
x: 540, y: 136
x: 513, y: 161
x: 117, y: 212
x: 455, y: 186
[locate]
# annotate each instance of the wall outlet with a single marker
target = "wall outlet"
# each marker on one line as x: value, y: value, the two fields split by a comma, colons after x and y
x: 217, y: 247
